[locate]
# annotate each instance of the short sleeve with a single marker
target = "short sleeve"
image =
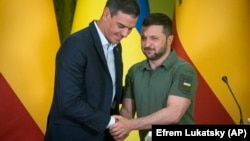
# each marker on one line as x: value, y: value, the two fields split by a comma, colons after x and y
x: 184, y: 81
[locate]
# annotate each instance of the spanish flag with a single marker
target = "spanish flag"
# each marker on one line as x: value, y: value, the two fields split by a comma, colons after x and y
x: 215, y: 37
x: 29, y: 41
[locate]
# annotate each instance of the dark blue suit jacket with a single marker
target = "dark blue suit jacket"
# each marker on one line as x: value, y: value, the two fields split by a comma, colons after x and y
x: 82, y: 99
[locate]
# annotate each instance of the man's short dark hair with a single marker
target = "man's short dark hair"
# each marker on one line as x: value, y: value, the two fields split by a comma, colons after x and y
x: 130, y: 7
x: 159, y: 19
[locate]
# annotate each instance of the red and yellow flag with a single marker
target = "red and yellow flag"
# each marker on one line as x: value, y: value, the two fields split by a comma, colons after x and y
x: 215, y: 37
x: 29, y: 41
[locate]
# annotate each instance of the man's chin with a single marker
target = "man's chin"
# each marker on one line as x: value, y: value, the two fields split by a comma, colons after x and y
x: 116, y: 41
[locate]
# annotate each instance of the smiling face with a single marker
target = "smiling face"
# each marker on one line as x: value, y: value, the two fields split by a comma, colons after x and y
x: 118, y: 26
x: 154, y: 43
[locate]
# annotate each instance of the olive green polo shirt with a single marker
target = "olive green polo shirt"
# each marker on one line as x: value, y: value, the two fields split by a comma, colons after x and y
x: 150, y: 88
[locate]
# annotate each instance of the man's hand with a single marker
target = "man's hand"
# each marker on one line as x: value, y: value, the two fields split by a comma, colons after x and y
x: 120, y: 130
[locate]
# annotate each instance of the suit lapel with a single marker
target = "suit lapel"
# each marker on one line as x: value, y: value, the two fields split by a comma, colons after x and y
x: 119, y: 72
x: 98, y: 46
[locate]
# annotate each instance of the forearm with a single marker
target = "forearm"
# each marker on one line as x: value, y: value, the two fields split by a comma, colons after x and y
x: 126, y: 114
x: 163, y: 116
x: 140, y: 123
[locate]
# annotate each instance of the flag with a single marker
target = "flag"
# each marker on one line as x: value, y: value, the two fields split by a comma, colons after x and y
x: 144, y: 11
x: 132, y: 44
x: 215, y: 37
x: 29, y: 41
x: 132, y: 50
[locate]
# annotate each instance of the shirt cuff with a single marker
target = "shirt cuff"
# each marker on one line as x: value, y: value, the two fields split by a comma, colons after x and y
x: 111, y: 121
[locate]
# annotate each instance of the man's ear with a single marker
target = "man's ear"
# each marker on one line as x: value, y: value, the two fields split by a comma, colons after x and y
x: 170, y: 39
x: 106, y: 12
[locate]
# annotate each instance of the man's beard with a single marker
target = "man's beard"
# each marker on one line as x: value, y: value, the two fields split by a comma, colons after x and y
x: 156, y: 55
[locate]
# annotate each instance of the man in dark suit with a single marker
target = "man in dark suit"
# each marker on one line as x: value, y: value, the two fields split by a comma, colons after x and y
x: 88, y: 76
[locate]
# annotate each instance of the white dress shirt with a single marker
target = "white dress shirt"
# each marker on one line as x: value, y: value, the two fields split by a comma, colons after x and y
x: 109, y: 55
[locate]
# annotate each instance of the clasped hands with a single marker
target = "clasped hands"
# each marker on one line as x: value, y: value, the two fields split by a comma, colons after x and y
x: 120, y: 130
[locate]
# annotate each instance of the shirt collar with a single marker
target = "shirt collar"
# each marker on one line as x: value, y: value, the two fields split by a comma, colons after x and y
x: 104, y: 41
x: 169, y: 61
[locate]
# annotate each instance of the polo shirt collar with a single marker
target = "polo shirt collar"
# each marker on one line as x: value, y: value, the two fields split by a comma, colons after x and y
x: 170, y: 60
x: 167, y: 64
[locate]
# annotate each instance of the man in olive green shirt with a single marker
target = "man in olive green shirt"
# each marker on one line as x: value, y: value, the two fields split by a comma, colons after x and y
x: 160, y: 89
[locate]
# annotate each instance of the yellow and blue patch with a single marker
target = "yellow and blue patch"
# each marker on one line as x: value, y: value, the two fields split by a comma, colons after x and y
x: 185, y: 83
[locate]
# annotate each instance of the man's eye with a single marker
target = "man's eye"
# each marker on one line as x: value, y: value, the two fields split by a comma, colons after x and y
x: 154, y: 38
x: 121, y: 26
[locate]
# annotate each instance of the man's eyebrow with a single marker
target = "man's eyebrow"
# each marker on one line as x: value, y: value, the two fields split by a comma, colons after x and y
x: 124, y: 26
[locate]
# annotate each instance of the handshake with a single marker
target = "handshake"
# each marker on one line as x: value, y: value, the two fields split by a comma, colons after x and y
x: 121, y: 128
